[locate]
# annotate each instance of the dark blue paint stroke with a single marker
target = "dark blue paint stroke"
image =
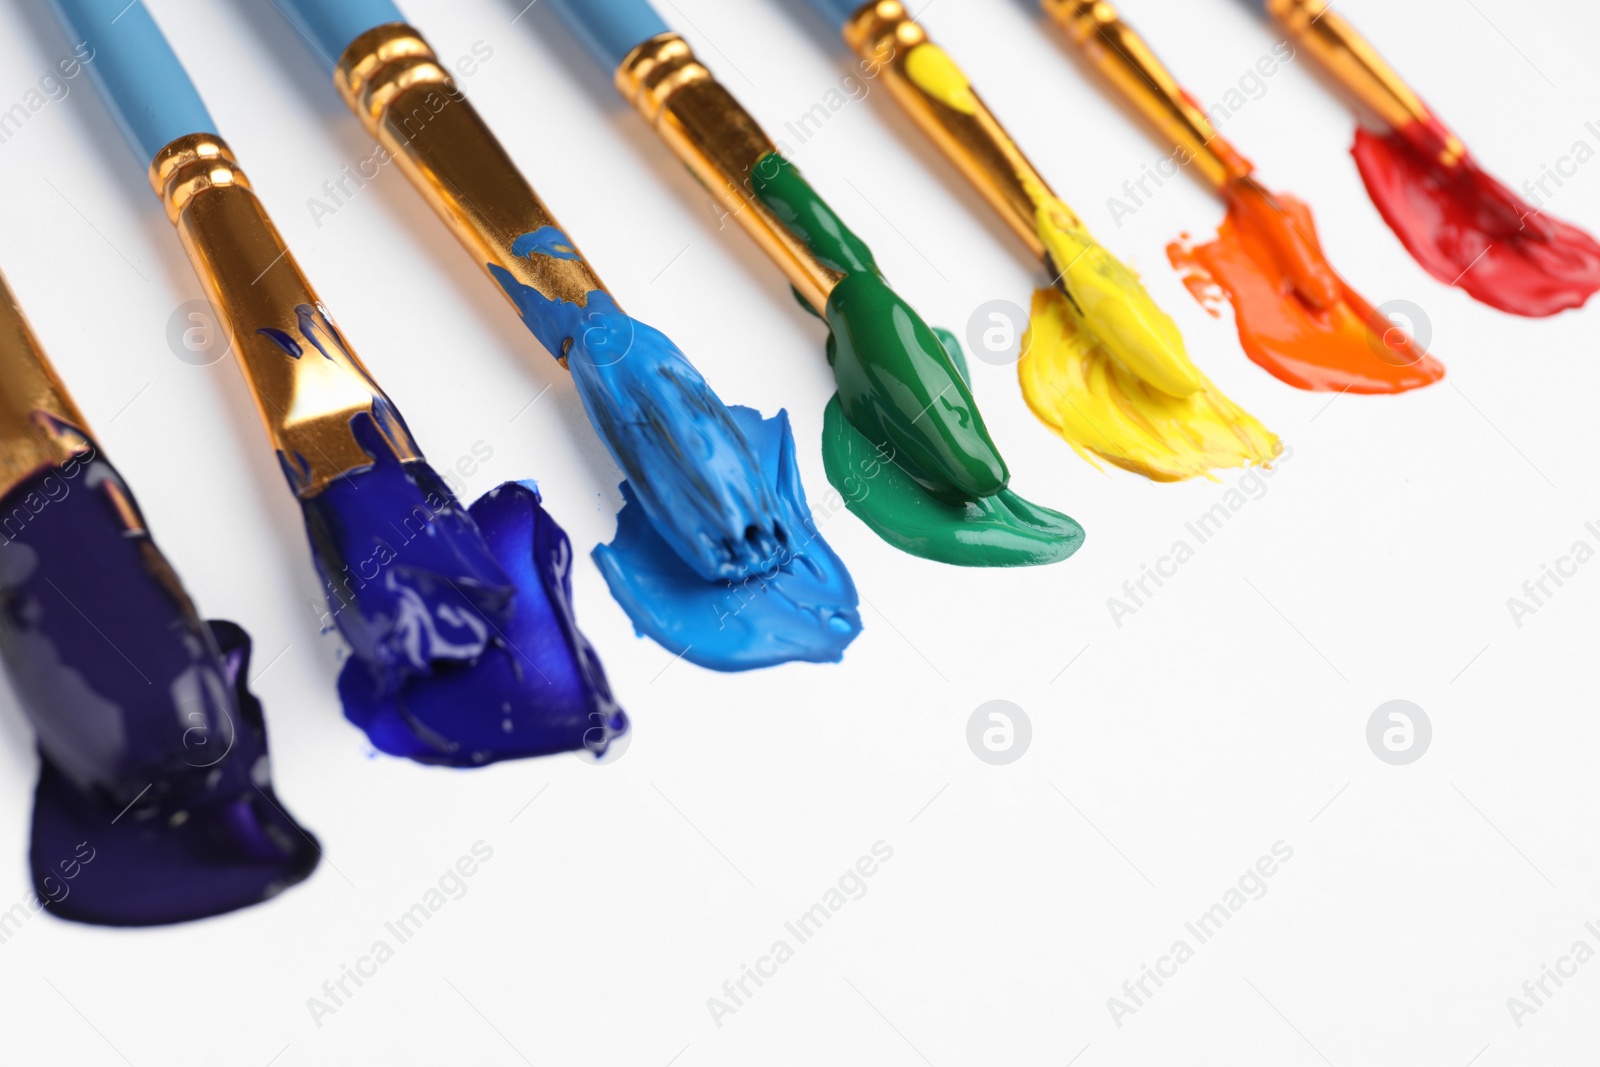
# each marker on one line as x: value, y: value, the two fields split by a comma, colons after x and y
x: 465, y: 646
x: 153, y: 751
x: 804, y: 609
x: 692, y: 469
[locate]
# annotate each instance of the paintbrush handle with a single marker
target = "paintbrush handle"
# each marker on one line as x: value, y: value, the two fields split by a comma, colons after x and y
x: 720, y: 143
x: 406, y: 99
x: 934, y: 92
x: 147, y: 89
x: 610, y: 29
x: 40, y: 426
x: 330, y: 25
x: 307, y: 383
x: 1128, y: 63
x: 1316, y: 27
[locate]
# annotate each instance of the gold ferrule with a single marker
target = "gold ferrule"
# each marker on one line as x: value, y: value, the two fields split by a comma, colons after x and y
x: 1128, y: 63
x: 407, y: 100
x: 886, y: 38
x: 40, y: 426
x: 720, y: 144
x: 1314, y: 26
x: 305, y: 400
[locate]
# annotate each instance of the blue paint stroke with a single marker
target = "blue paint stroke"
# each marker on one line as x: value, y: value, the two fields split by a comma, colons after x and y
x: 465, y: 646
x: 692, y: 469
x: 155, y: 801
x: 709, y: 517
x: 805, y: 609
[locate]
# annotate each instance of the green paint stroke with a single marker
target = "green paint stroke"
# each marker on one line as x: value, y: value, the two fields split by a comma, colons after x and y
x: 937, y: 486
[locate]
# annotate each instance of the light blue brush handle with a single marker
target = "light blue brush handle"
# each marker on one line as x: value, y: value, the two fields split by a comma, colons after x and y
x: 610, y: 29
x: 149, y: 92
x: 837, y: 12
x: 332, y: 24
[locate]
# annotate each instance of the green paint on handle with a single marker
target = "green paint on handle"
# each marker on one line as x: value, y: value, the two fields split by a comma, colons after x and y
x: 1002, y: 530
x: 903, y: 440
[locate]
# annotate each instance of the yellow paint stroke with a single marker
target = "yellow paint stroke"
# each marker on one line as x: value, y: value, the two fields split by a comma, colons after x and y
x: 1108, y: 371
x: 1104, y: 410
x: 932, y: 70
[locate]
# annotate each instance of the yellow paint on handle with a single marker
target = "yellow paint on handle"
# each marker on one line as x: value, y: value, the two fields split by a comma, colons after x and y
x: 1107, y: 369
x: 1106, y: 411
x: 932, y: 70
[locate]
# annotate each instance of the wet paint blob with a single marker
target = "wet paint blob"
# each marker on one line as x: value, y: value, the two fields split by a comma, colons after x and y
x: 939, y: 484
x: 1296, y: 317
x: 155, y: 801
x: 693, y: 471
x: 708, y: 512
x: 804, y: 608
x: 1107, y: 412
x: 1469, y: 230
x: 1107, y: 369
x: 465, y: 646
x: 1002, y: 530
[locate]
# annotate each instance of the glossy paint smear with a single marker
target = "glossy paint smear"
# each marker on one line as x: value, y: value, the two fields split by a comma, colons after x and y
x: 1102, y: 365
x: 1106, y: 368
x: 906, y: 411
x: 691, y: 467
x: 155, y: 801
x: 806, y: 608
x: 1468, y: 230
x: 465, y: 646
x: 1296, y: 317
x: 713, y: 507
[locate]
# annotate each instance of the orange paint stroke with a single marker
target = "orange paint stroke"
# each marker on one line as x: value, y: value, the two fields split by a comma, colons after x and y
x: 1297, y: 318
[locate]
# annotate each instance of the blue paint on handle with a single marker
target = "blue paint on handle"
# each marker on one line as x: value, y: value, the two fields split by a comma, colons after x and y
x: 805, y: 609
x: 134, y: 67
x: 330, y: 25
x: 838, y: 12
x: 610, y: 29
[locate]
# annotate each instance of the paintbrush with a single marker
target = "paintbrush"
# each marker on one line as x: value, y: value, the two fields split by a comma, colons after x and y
x: 463, y: 652
x: 141, y: 708
x: 1107, y: 299
x: 903, y: 409
x: 1474, y: 233
x: 1356, y: 349
x: 717, y: 507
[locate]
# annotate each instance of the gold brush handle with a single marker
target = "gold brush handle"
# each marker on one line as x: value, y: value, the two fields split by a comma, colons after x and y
x: 720, y: 143
x: 37, y: 417
x: 406, y: 99
x: 1123, y: 57
x: 1317, y: 28
x: 884, y: 34
x: 307, y: 401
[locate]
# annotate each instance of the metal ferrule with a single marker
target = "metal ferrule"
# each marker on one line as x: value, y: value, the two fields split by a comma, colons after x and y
x: 406, y: 99
x: 40, y: 426
x: 1315, y: 27
x: 1123, y: 57
x: 306, y: 401
x: 883, y: 34
x: 720, y: 143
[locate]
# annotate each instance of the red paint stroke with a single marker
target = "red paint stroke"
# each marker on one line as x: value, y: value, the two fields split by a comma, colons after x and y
x: 1297, y: 318
x: 1468, y: 230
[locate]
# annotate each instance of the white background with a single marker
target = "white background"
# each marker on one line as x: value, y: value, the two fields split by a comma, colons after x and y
x: 1226, y: 715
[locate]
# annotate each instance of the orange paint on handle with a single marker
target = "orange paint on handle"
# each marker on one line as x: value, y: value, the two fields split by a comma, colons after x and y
x: 1297, y: 318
